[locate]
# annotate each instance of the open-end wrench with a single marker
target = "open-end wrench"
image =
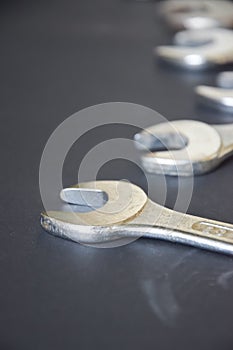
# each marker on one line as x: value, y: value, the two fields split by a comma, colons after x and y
x: 189, y: 147
x: 128, y: 212
x: 199, y: 49
x: 193, y: 14
x: 220, y: 97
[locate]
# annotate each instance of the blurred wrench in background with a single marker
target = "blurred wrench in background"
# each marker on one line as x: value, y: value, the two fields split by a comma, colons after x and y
x: 194, y: 14
x: 184, y: 147
x: 220, y: 97
x: 199, y: 49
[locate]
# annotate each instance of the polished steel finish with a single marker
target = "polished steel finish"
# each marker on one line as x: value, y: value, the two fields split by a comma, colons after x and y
x: 201, y: 147
x: 194, y: 14
x: 220, y: 97
x: 199, y: 49
x: 148, y: 219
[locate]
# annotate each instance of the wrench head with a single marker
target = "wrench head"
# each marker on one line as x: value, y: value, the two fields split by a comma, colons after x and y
x: 214, y: 97
x: 199, y: 49
x: 218, y: 97
x: 125, y: 201
x: 193, y: 14
x: 196, y: 152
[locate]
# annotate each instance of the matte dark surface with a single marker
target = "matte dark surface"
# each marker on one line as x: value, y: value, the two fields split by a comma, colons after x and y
x: 58, y: 57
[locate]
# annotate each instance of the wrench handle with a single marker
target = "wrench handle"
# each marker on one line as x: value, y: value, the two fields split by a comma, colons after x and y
x: 182, y: 228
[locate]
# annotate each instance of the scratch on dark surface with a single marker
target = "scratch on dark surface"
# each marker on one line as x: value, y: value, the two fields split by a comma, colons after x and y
x: 224, y: 278
x: 159, y: 293
x: 161, y: 300
x: 182, y: 259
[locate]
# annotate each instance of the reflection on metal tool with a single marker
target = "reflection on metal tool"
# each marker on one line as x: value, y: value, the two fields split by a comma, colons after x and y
x: 220, y: 97
x: 130, y: 213
x: 199, y: 49
x: 193, y: 14
x: 184, y: 147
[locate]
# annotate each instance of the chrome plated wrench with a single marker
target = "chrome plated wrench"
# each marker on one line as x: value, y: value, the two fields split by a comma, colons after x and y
x: 184, y: 147
x: 220, y: 97
x: 130, y: 213
x: 194, y: 14
x: 199, y: 49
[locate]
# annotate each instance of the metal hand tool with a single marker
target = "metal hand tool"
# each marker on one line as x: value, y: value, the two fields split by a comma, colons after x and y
x: 129, y: 213
x: 192, y: 147
x: 193, y: 14
x: 199, y: 49
x: 220, y: 97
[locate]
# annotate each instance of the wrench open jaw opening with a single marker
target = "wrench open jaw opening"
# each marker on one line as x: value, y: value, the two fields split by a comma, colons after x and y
x: 200, y: 149
x: 198, y: 49
x: 137, y: 217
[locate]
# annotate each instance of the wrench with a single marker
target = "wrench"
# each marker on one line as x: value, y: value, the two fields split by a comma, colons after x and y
x: 130, y: 213
x: 199, y: 49
x: 193, y: 14
x: 191, y: 147
x: 220, y: 97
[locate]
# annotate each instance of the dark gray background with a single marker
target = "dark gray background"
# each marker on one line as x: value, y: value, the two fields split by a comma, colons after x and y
x: 58, y: 57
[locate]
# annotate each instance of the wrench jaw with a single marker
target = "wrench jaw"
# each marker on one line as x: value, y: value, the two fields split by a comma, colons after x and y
x: 214, y: 97
x: 152, y: 221
x: 177, y: 167
x: 200, y: 22
x: 198, y: 49
x: 184, y: 22
x: 196, y: 14
x: 54, y: 224
x: 125, y: 201
x: 176, y: 13
x: 220, y: 97
x: 181, y: 57
x: 155, y: 164
x: 190, y: 50
x: 147, y: 223
x: 199, y: 154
